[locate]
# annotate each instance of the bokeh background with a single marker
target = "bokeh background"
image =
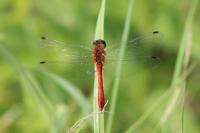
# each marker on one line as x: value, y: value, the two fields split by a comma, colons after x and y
x: 35, y: 99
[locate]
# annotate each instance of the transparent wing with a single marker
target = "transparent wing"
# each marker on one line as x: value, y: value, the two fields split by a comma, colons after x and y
x: 143, y: 49
x: 70, y: 59
x: 140, y: 50
x: 53, y: 51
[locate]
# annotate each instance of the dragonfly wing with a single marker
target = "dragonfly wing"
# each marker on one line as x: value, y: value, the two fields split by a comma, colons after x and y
x: 62, y: 57
x: 140, y: 50
x: 53, y: 51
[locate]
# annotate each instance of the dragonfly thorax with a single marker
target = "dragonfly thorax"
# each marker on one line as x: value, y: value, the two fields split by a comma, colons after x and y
x: 99, y: 51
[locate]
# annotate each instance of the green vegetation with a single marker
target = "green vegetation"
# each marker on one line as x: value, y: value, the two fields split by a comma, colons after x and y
x: 60, y: 97
x: 99, y: 34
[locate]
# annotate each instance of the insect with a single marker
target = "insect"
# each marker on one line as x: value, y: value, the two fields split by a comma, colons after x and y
x: 99, y: 59
x: 99, y: 56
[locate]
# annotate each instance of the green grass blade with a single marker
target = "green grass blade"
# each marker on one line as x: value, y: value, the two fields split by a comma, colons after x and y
x: 9, y: 58
x: 186, y: 35
x: 118, y: 69
x: 31, y: 87
x: 180, y: 67
x: 10, y: 117
x: 78, y: 125
x: 71, y: 89
x: 135, y: 126
x: 177, y: 79
x: 62, y: 115
x: 99, y: 34
x: 25, y: 75
x: 38, y: 90
x: 143, y: 118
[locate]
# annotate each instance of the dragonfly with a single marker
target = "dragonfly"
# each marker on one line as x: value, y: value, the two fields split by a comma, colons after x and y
x: 98, y: 56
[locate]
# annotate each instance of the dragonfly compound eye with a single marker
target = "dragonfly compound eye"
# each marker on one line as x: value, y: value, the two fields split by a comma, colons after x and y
x: 99, y: 41
x: 104, y: 43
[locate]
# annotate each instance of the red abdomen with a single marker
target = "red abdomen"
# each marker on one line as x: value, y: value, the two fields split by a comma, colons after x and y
x: 100, y: 87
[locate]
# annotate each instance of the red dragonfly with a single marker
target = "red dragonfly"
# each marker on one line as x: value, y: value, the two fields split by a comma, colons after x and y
x: 99, y: 59
x: 99, y: 56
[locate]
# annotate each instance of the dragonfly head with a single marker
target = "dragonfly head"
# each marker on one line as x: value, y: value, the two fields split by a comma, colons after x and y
x: 99, y: 43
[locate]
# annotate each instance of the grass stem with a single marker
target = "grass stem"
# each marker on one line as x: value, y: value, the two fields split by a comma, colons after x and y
x: 118, y: 69
x: 99, y: 34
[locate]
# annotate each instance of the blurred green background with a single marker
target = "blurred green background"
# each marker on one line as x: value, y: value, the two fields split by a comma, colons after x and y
x: 36, y: 100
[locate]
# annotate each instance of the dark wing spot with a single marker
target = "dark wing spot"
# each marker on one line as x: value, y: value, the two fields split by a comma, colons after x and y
x: 155, y: 61
x: 154, y: 57
x: 43, y: 38
x: 155, y: 32
x: 43, y: 62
